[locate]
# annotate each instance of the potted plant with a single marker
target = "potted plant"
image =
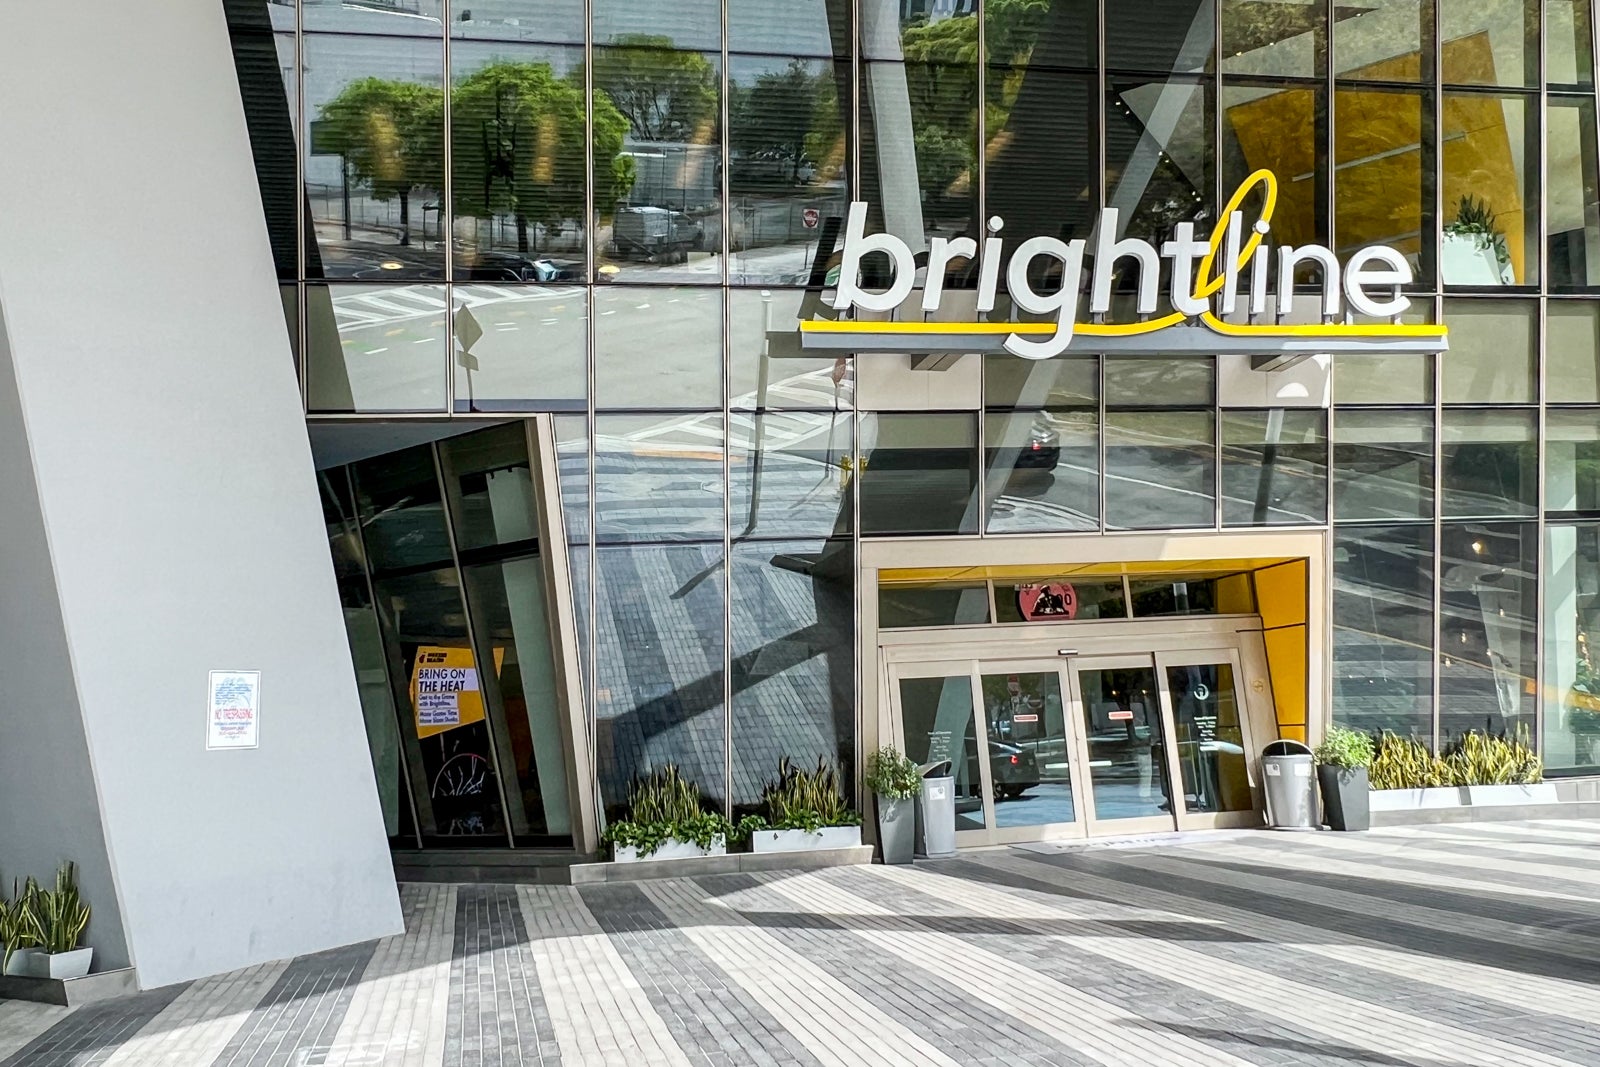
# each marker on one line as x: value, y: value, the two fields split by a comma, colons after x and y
x: 666, y: 820
x: 55, y: 921
x: 1342, y: 762
x: 1474, y: 250
x: 803, y: 811
x: 895, y: 781
x: 16, y: 937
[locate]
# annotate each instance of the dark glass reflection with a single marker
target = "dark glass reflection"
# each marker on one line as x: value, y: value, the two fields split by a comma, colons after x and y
x: 1382, y: 464
x: 940, y: 724
x: 1184, y: 596
x: 903, y: 604
x: 1274, y: 467
x: 1127, y: 749
x: 1572, y: 184
x: 793, y: 660
x: 919, y: 474
x: 1571, y: 738
x: 1209, y: 741
x: 1383, y: 629
x: 1490, y: 463
x: 1487, y: 594
x: 1160, y: 147
x: 1159, y: 36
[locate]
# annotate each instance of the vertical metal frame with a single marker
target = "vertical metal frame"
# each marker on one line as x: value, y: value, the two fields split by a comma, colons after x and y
x: 864, y: 617
x: 726, y: 193
x: 300, y: 151
x: 591, y: 229
x: 447, y: 223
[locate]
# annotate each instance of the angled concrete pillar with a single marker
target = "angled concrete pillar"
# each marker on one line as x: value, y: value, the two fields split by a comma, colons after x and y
x: 159, y: 518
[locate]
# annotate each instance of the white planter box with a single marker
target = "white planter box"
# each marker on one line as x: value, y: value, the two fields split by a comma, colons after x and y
x: 1463, y: 262
x: 800, y: 841
x: 19, y: 965
x: 1416, y: 799
x: 671, y: 849
x: 1493, y: 795
x: 58, y: 965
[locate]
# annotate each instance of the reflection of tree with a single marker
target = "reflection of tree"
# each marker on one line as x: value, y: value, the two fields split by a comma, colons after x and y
x: 665, y: 94
x: 790, y: 115
x: 517, y: 145
x: 391, y: 136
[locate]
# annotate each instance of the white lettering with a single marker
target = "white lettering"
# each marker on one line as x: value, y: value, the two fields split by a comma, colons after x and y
x: 1062, y: 301
x: 1107, y: 250
x: 858, y: 243
x: 1357, y: 275
x: 940, y: 253
x: 1183, y: 250
x: 1288, y: 257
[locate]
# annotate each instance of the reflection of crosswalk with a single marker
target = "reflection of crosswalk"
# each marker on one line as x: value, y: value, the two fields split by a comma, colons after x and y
x: 779, y: 429
x: 388, y: 305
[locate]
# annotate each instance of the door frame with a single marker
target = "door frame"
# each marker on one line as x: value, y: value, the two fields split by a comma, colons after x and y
x: 1079, y: 826
x: 1230, y: 655
x: 1099, y: 826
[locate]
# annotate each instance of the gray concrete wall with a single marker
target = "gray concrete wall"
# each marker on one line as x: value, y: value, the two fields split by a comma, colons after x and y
x: 175, y: 486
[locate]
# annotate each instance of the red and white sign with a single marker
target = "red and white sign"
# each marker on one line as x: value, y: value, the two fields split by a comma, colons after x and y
x: 1120, y: 716
x: 233, y: 717
x: 1029, y: 717
x: 810, y: 217
x: 1049, y: 602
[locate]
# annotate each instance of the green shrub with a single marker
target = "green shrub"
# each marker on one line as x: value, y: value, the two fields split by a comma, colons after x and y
x: 1476, y: 758
x: 1405, y: 763
x: 1344, y: 747
x: 806, y: 800
x: 54, y: 919
x: 663, y: 806
x: 16, y: 925
x: 893, y: 776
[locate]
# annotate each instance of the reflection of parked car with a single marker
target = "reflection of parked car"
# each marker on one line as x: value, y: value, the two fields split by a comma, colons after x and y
x: 1014, y: 769
x: 514, y: 267
x: 655, y: 233
x: 1043, y: 448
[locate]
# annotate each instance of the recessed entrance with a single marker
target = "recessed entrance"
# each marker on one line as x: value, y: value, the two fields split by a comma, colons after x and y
x: 1083, y: 745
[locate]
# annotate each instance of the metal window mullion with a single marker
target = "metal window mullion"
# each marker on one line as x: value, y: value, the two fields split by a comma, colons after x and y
x: 1438, y: 522
x: 591, y: 226
x: 726, y: 193
x: 981, y: 486
x: 1541, y: 393
x: 447, y: 227
x: 299, y: 139
x: 1330, y: 147
x: 853, y: 161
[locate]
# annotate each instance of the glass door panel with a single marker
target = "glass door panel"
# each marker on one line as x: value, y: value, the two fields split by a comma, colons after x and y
x: 1126, y: 756
x: 1030, y: 764
x: 1208, y: 732
x: 939, y: 722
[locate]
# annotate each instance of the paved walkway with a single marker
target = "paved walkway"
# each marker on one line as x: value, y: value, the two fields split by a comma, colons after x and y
x: 1457, y: 945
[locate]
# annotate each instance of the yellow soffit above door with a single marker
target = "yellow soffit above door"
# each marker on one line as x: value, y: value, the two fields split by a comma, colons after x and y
x: 1026, y: 572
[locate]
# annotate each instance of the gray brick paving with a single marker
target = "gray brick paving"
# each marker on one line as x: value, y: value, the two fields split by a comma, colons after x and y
x: 1454, y: 946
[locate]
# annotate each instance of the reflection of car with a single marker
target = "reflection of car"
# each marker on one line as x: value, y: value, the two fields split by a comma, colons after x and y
x: 514, y: 267
x: 655, y: 233
x: 1042, y: 451
x: 1013, y: 769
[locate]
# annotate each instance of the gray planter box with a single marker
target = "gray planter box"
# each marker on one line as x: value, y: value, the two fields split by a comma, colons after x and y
x: 1345, y: 793
x: 800, y: 841
x: 897, y: 828
x: 1414, y: 799
x: 1492, y: 795
x: 671, y: 849
x: 1463, y: 796
x: 54, y: 965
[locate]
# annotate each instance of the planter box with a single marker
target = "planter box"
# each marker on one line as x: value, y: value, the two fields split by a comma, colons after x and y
x: 1492, y: 795
x: 800, y: 841
x: 1416, y: 799
x: 20, y: 964
x: 897, y: 829
x: 56, y: 965
x: 671, y: 849
x: 1345, y: 795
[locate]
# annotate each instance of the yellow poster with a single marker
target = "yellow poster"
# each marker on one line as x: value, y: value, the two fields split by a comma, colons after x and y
x: 445, y: 689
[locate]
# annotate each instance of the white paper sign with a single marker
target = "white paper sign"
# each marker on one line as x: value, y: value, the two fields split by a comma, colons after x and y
x: 233, y: 714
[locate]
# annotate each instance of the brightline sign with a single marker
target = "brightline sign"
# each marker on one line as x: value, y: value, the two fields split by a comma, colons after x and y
x: 1370, y: 282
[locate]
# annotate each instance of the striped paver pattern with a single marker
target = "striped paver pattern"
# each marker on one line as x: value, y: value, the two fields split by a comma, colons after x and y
x: 1446, y: 946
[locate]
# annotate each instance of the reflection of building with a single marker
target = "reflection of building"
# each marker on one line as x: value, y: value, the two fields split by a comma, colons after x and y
x: 613, y: 491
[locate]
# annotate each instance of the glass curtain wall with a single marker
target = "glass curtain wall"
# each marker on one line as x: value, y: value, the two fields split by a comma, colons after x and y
x: 448, y: 244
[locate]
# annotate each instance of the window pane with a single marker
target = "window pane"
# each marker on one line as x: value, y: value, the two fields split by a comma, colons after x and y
x: 1288, y: 39
x: 1042, y: 157
x: 1059, y: 599
x: 555, y: 21
x: 763, y: 343
x: 657, y: 155
x: 787, y: 142
x: 1571, y: 628
x: 376, y: 348
x: 1160, y: 469
x: 1281, y: 129
x: 402, y: 515
x: 686, y: 24
x: 903, y: 604
x: 1572, y: 352
x: 1382, y: 464
x: 1384, y: 40
x: 1057, y: 33
x: 1180, y: 40
x: 1383, y: 629
x: 1490, y: 462
x: 1401, y: 379
x: 1043, y: 470
x: 1573, y: 214
x: 790, y: 28
x: 937, y: 716
x: 919, y: 474
x: 1494, y: 42
x: 1491, y: 148
x: 658, y: 661
x: 657, y: 347
x: 1384, y: 173
x: 658, y: 477
x: 1486, y: 627
x: 1572, y: 460
x: 1177, y: 382
x: 1160, y: 144
x: 419, y: 17
x: 374, y: 170
x: 529, y: 355
x: 1492, y: 351
x: 516, y: 162
x: 793, y: 660
x: 491, y: 487
x: 789, y: 474
x: 1038, y: 383
x: 1178, y: 596
x: 1274, y: 467
x: 1569, y: 43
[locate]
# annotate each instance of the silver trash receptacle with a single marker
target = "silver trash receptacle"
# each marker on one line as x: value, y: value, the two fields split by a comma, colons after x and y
x: 936, y: 812
x: 1291, y: 786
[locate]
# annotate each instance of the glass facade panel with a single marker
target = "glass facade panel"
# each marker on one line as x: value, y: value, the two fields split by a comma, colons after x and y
x: 1487, y: 607
x: 1383, y: 629
x: 1209, y: 738
x: 421, y: 18
x: 1163, y: 382
x: 1383, y: 157
x: 1182, y: 39
x: 1284, y: 129
x: 690, y: 24
x: 377, y: 348
x: 1490, y: 463
x: 658, y: 477
x: 1127, y: 765
x: 1400, y: 379
x: 530, y: 354
x: 1493, y: 345
x: 1160, y: 152
x: 545, y: 21
x: 1011, y: 382
x: 1495, y: 42
x: 1266, y: 37
x: 790, y: 28
x: 793, y: 660
x: 1160, y: 469
x: 1071, y: 598
x: 1042, y: 155
x: 1274, y: 467
x: 764, y: 370
x: 919, y: 474
x: 1569, y: 43
x: 1490, y: 154
x: 903, y: 604
x: 1152, y: 597
x: 1572, y: 186
x: 1572, y: 352
x: 788, y: 474
x: 1042, y: 470
x: 940, y: 724
x: 1029, y: 754
x: 1572, y: 460
x: 1382, y: 464
x: 657, y: 348
x: 1571, y: 628
x: 490, y: 487
x: 1384, y: 40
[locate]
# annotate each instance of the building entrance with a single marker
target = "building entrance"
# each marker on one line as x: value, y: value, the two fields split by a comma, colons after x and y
x: 1070, y: 745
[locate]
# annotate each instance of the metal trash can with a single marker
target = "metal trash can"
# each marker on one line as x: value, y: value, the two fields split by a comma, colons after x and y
x: 1291, y: 786
x: 936, y: 812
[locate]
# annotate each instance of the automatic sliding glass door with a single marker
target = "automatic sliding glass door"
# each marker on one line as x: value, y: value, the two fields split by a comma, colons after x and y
x: 1124, y: 731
